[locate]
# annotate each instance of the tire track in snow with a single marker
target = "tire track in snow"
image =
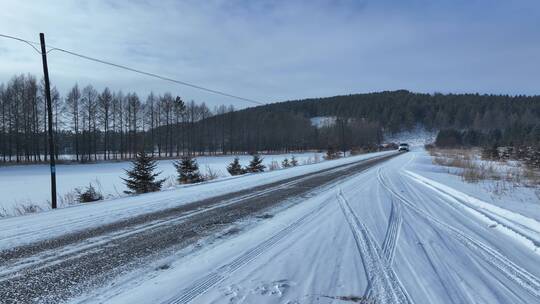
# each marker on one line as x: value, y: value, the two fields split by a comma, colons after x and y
x: 510, y: 223
x: 52, y: 257
x: 383, y: 284
x: 203, y: 284
x: 129, y: 214
x: 44, y: 259
x: 388, y: 248
x: 392, y: 233
x: 509, y: 269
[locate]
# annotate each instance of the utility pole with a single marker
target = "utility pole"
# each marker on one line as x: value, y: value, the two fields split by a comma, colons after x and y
x: 50, y: 118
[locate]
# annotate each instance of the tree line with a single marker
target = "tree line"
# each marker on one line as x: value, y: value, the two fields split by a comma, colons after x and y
x: 509, y: 119
x: 91, y: 125
x: 95, y: 125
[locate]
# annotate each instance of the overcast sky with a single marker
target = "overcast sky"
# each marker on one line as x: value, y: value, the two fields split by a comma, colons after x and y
x: 279, y: 50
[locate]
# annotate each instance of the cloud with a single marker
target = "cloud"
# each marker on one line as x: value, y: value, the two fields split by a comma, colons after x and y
x: 277, y: 50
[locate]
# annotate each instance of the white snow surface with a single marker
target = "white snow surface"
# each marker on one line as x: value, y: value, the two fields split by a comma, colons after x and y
x: 30, y: 184
x: 20, y: 230
x: 323, y: 121
x: 401, y: 232
x: 404, y: 231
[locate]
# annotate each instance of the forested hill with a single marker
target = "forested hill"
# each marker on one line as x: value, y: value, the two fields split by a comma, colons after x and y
x: 399, y: 110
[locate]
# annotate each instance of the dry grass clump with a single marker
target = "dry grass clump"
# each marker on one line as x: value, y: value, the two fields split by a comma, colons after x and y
x: 211, y: 174
x: 274, y: 165
x: 474, y: 170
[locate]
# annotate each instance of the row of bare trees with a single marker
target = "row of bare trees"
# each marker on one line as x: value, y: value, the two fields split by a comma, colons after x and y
x: 98, y: 125
x: 91, y: 125
x: 23, y: 119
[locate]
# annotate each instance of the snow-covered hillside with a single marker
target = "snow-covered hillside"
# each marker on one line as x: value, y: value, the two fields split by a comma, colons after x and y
x: 323, y: 121
x: 419, y: 136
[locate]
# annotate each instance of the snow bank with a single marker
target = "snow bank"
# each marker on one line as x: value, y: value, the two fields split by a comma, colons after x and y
x: 27, y: 185
x: 32, y: 227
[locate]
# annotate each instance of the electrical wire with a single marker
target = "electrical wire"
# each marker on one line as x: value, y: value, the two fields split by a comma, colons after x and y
x: 31, y: 43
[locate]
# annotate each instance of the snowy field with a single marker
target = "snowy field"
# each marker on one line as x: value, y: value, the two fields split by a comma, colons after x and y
x: 16, y: 231
x: 404, y: 231
x: 30, y: 184
x: 393, y: 234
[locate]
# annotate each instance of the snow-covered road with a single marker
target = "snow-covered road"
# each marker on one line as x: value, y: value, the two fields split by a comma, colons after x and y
x: 387, y: 233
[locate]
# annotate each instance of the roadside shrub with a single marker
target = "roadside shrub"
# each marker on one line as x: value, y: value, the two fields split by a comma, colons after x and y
x: 274, y: 165
x: 490, y: 152
x: 211, y: 174
x: 331, y: 153
x: 294, y: 161
x: 89, y: 195
x: 234, y: 168
x: 357, y: 151
x: 27, y: 208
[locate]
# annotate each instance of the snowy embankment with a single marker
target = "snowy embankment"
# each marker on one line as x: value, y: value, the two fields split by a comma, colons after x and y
x: 29, y: 185
x: 33, y: 227
x: 515, y: 213
x: 504, y: 184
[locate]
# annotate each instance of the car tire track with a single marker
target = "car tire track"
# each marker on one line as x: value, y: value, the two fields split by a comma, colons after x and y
x: 383, y: 284
x: 51, y: 257
x: 509, y: 269
x: 392, y: 232
x: 15, y: 267
x: 203, y: 284
x: 514, y: 226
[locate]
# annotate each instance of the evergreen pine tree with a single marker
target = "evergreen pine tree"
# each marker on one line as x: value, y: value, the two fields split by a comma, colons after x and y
x: 141, y: 177
x: 235, y: 168
x: 255, y: 165
x: 285, y: 163
x: 188, y: 170
x: 294, y: 161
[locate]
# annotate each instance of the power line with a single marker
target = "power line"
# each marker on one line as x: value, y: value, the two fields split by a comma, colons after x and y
x: 31, y: 43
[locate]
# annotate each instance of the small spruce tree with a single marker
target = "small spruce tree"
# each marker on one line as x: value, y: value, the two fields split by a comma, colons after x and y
x: 331, y: 153
x: 141, y: 177
x: 235, y: 168
x: 285, y: 163
x: 89, y: 195
x: 255, y: 165
x: 188, y: 170
x: 294, y: 161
